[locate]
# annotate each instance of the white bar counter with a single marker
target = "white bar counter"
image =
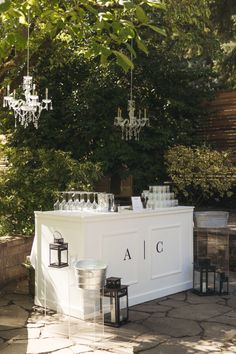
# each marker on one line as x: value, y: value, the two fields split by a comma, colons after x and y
x: 151, y: 251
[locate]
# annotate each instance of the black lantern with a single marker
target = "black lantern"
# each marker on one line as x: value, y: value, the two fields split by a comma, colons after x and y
x: 222, y: 282
x: 117, y: 312
x: 204, y: 277
x: 58, y: 252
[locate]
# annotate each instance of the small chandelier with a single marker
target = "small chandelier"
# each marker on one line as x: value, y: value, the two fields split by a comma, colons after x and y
x: 28, y: 110
x: 131, y: 127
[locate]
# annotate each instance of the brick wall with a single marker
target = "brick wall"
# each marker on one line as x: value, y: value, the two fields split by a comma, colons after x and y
x: 13, y: 251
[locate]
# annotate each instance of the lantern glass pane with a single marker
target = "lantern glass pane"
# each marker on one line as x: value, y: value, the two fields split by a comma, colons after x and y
x: 123, y: 308
x: 204, y: 281
x: 197, y: 279
x: 109, y: 308
x: 211, y: 282
x: 222, y: 285
x: 58, y: 256
x: 64, y: 256
x: 54, y: 257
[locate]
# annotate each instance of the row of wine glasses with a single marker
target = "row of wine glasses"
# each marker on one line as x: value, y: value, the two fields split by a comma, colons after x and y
x: 84, y: 201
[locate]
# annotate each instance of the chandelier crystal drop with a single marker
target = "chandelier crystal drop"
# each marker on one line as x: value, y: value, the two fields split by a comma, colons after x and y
x: 28, y: 109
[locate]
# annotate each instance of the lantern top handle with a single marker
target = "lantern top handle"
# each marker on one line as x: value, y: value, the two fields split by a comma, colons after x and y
x: 58, y: 237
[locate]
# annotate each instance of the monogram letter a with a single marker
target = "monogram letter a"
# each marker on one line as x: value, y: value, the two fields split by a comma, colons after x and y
x: 127, y: 255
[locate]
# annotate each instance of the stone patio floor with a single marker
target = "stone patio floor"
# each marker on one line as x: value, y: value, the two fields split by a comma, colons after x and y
x: 180, y: 323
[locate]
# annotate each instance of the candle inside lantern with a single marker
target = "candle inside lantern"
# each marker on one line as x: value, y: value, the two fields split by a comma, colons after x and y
x: 46, y: 93
x: 14, y: 93
x: 8, y: 90
x: 204, y: 287
x: 145, y: 113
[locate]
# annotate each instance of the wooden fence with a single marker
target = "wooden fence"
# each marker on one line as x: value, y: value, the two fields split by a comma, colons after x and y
x: 219, y: 128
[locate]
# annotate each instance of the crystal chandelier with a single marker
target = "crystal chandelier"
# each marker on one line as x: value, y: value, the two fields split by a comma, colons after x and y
x: 27, y: 110
x: 131, y: 126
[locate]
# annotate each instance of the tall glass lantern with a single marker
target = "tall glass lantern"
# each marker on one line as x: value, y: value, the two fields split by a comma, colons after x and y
x: 58, y: 252
x: 117, y: 309
x: 204, y: 277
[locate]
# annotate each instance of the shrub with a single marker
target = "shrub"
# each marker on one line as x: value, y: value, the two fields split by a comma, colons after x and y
x: 199, y: 173
x: 31, y: 181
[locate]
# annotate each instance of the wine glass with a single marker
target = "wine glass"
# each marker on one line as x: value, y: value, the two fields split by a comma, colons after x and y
x: 63, y: 202
x: 56, y: 205
x: 110, y: 202
x: 95, y: 204
x: 88, y: 204
x: 76, y: 204
x: 69, y: 204
x: 81, y: 201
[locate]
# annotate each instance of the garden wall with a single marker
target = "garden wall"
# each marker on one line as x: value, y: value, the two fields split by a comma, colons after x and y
x: 13, y: 251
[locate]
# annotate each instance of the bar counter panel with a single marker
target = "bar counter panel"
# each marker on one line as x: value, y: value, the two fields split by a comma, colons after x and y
x: 151, y: 251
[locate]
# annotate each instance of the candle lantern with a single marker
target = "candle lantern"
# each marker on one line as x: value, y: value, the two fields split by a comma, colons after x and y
x: 117, y: 311
x: 58, y: 252
x: 222, y: 283
x: 204, y: 277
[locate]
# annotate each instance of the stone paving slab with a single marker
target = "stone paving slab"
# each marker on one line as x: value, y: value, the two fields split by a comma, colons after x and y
x: 12, y: 316
x: 191, y: 345
x: 218, y: 331
x: 199, y: 312
x: 182, y: 323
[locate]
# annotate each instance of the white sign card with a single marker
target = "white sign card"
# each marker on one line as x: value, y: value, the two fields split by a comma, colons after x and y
x: 137, y: 203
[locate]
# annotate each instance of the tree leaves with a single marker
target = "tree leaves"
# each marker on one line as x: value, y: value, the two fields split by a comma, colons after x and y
x: 123, y: 60
x: 87, y: 25
x: 159, y: 30
x: 199, y: 173
x: 5, y: 5
x: 141, y: 14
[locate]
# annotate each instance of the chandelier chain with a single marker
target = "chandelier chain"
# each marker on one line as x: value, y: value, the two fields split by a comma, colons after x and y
x: 131, y: 71
x: 28, y: 42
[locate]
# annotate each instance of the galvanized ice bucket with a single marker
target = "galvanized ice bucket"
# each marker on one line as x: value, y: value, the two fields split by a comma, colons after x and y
x: 91, y: 274
x: 211, y: 219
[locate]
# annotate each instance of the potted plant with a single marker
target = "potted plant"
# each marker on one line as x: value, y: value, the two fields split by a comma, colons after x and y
x: 199, y: 174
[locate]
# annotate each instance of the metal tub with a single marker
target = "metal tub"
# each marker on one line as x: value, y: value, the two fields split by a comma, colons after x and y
x: 90, y: 274
x: 211, y: 219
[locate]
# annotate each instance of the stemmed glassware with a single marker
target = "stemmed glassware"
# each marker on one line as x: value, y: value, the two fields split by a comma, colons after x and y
x: 81, y: 201
x: 84, y: 201
x: 56, y: 205
x: 88, y: 204
x: 94, y: 204
x: 69, y: 204
x: 76, y: 203
x: 63, y: 202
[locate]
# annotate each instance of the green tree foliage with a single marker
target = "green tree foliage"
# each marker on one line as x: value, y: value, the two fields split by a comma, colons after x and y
x: 93, y: 28
x: 30, y: 183
x: 199, y: 173
x: 223, y: 15
x: 85, y: 98
x: 171, y: 80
